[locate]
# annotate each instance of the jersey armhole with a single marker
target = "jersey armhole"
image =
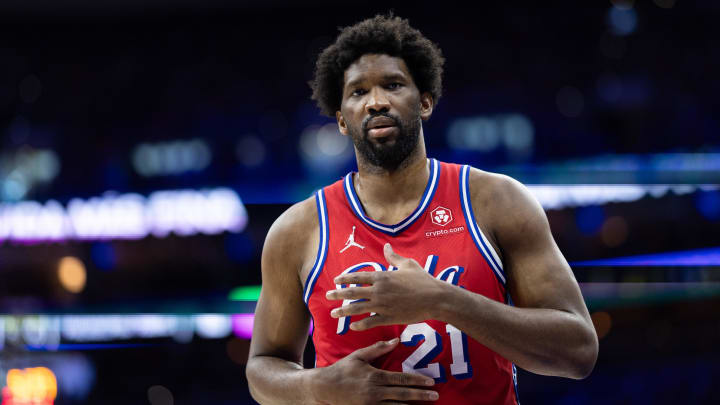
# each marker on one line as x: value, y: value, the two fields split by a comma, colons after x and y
x: 323, y: 242
x: 481, y: 242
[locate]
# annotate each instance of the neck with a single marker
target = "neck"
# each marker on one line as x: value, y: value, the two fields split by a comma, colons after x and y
x: 378, y: 187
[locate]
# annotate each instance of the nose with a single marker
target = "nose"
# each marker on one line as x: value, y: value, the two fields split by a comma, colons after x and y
x: 377, y: 102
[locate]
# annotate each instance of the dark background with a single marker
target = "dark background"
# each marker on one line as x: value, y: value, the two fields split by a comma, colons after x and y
x: 554, y: 94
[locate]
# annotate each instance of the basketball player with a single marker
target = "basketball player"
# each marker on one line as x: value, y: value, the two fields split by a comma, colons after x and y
x: 426, y: 281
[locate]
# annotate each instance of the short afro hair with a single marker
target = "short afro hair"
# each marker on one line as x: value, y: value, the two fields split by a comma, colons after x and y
x: 382, y: 34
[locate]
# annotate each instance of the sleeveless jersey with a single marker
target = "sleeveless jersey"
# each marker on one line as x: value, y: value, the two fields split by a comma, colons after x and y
x: 443, y: 236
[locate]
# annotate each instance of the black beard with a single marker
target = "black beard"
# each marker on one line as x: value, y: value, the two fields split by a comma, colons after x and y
x: 384, y: 154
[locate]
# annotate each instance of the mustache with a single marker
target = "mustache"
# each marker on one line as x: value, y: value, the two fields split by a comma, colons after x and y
x: 386, y: 115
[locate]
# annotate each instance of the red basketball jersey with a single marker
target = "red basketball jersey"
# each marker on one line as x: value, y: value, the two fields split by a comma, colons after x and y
x: 443, y: 236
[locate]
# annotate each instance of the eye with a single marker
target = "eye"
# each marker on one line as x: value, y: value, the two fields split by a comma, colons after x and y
x: 358, y: 92
x: 394, y: 86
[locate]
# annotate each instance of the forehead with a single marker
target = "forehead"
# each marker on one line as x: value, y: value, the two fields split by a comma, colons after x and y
x: 375, y: 66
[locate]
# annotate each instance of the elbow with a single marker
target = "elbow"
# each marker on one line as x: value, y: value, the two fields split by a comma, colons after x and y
x: 250, y: 376
x: 584, y: 357
x: 254, y: 394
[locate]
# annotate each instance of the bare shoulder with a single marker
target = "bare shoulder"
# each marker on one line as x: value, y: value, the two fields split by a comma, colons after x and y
x: 295, y: 220
x: 292, y: 240
x: 499, y: 190
x: 505, y: 205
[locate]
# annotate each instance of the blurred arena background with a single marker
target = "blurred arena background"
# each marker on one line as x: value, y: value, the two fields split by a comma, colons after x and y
x: 147, y: 146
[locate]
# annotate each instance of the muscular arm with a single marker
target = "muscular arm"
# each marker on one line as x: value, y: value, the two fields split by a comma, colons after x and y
x: 549, y: 330
x: 275, y: 372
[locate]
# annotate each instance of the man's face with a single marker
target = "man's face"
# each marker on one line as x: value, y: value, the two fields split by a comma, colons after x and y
x: 382, y: 110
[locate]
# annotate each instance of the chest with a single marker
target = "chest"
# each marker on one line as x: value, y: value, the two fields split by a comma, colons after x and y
x: 448, y: 254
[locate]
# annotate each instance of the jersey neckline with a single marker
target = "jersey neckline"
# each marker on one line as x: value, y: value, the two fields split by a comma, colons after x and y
x: 395, y: 229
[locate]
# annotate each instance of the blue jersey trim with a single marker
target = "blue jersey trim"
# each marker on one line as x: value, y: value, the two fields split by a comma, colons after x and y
x: 486, y: 250
x: 324, y: 241
x: 393, y: 230
x: 510, y: 302
x: 430, y: 264
x: 515, y: 383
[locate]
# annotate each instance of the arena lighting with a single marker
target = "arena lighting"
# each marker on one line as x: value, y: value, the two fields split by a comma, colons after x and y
x: 250, y: 150
x: 242, y: 325
x: 487, y: 133
x: 606, y: 295
x: 75, y: 347
x: 687, y: 258
x: 553, y: 197
x: 213, y: 326
x: 657, y: 168
x: 171, y: 158
x: 246, y: 293
x: 21, y: 170
x: 65, y: 332
x: 622, y: 20
x: 30, y: 386
x: 124, y: 216
x: 102, y: 328
x: 672, y: 162
x: 160, y: 395
x: 72, y: 274
x: 74, y: 372
x: 602, y: 321
x: 323, y: 147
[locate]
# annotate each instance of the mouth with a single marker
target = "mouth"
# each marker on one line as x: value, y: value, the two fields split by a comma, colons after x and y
x: 382, y: 131
x: 381, y: 126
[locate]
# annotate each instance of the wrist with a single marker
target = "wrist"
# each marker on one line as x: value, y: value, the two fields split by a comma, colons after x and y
x: 313, y: 380
x: 438, y: 302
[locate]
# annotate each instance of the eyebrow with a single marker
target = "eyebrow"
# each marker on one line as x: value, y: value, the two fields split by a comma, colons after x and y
x: 386, y: 78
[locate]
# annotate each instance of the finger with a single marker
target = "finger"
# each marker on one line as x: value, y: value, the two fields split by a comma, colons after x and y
x: 410, y: 379
x: 362, y: 277
x: 371, y: 322
x: 409, y: 394
x: 392, y: 257
x: 376, y: 350
x: 355, y: 308
x: 351, y: 293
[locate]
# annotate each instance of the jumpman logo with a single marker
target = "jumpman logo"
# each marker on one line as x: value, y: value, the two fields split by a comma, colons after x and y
x: 351, y: 242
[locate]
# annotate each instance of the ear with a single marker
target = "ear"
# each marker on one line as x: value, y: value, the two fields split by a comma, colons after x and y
x: 342, y: 126
x: 426, y: 106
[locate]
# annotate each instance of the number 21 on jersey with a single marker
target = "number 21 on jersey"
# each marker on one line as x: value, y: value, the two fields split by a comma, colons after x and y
x: 419, y: 362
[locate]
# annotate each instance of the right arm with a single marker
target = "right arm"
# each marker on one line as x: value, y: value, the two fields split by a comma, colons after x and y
x: 274, y: 370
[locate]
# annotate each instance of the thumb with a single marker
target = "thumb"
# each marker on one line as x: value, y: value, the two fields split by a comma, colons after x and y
x: 370, y: 353
x: 392, y: 258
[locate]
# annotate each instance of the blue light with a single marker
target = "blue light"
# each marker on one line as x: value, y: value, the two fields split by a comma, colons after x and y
x: 622, y: 21
x: 589, y: 219
x: 239, y: 247
x: 85, y: 346
x: 687, y: 258
x: 708, y: 203
x: 103, y: 255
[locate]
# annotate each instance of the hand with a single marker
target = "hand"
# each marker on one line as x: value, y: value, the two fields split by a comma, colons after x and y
x: 404, y: 296
x: 352, y: 380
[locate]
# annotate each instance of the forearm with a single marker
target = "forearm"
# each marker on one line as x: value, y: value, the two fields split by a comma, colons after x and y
x: 274, y: 380
x: 540, y: 340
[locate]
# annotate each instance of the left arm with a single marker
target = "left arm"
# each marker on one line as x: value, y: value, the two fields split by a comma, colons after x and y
x: 548, y: 332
